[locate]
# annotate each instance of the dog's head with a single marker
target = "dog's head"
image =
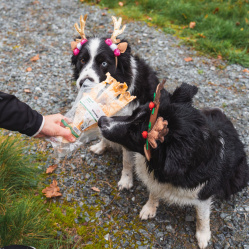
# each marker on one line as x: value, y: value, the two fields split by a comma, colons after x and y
x: 93, y: 57
x: 127, y: 130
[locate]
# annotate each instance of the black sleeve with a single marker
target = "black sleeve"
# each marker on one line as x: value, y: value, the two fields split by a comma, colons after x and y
x: 18, y: 116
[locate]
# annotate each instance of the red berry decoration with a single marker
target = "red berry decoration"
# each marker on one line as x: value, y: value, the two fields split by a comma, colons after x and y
x: 144, y: 134
x: 151, y: 105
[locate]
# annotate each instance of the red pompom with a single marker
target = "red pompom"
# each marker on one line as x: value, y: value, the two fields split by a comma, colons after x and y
x: 144, y: 134
x: 151, y: 105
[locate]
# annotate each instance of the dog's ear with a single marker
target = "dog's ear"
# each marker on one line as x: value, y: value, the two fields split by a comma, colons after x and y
x: 124, y: 58
x: 184, y: 93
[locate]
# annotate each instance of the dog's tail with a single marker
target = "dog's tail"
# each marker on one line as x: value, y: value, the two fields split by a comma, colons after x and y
x: 239, y: 179
x: 184, y: 94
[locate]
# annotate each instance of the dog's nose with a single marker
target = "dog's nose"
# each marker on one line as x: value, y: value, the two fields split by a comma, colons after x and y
x: 103, y: 122
x: 88, y: 78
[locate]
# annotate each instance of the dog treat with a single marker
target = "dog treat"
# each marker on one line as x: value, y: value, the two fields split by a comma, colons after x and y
x: 104, y: 99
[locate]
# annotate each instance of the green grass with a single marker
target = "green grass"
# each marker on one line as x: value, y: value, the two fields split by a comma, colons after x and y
x: 222, y: 26
x: 24, y: 217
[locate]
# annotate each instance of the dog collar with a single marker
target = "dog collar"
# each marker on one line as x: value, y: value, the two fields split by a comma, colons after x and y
x: 157, y: 128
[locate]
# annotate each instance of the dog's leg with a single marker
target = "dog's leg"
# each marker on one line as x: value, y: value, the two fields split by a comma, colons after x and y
x: 203, y: 233
x: 149, y: 209
x: 99, y: 148
x: 126, y: 180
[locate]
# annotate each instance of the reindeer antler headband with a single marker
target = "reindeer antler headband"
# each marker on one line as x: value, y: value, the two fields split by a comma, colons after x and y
x: 77, y: 45
x: 157, y: 128
x: 112, y: 42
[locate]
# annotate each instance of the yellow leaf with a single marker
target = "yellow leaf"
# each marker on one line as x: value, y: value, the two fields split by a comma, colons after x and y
x: 241, y: 29
x: 206, y: 16
x: 184, y: 15
x: 201, y: 35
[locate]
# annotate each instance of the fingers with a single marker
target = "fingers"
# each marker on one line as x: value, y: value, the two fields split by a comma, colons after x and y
x: 53, y: 127
x: 66, y: 133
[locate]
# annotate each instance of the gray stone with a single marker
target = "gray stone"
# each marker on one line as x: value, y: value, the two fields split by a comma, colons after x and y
x: 189, y: 218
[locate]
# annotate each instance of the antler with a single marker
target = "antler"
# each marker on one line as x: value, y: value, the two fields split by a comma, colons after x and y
x: 116, y: 30
x: 82, y: 26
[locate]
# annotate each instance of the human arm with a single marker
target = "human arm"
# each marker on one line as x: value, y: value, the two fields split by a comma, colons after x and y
x: 18, y: 116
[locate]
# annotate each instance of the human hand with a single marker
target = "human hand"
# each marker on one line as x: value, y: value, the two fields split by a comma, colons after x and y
x: 54, y: 127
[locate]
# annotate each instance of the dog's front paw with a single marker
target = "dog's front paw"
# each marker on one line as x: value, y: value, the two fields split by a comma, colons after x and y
x: 147, y: 212
x: 203, y: 237
x: 125, y: 182
x: 97, y: 148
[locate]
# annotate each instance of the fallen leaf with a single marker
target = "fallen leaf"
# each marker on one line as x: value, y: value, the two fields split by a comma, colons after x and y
x: 216, y: 10
x: 35, y: 58
x: 29, y: 69
x: 192, y: 25
x: 237, y: 23
x: 206, y: 16
x: 201, y: 35
x: 51, y: 168
x: 184, y: 27
x: 137, y: 3
x: 149, y: 18
x: 188, y: 59
x: 219, y: 57
x: 95, y: 189
x: 184, y: 16
x: 246, y: 71
x: 52, y: 190
x: 36, y: 97
x: 26, y: 90
x: 103, y: 14
x: 121, y: 4
x: 211, y: 83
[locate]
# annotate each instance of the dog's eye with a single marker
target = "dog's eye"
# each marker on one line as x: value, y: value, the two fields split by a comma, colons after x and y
x: 82, y: 61
x: 104, y: 64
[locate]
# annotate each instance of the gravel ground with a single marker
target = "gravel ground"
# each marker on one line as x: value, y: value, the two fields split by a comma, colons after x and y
x: 45, y: 27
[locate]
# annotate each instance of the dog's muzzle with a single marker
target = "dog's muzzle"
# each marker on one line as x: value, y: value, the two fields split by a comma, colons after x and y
x: 103, y: 122
x: 86, y: 82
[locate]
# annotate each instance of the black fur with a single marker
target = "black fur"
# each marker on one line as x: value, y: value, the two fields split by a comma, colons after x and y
x: 145, y: 78
x: 201, y: 146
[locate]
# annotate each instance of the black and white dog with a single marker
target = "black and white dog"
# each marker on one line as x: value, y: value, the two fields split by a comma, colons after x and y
x: 201, y: 157
x: 94, y: 60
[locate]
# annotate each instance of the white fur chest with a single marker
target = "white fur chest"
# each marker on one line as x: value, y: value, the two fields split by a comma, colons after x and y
x: 165, y: 191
